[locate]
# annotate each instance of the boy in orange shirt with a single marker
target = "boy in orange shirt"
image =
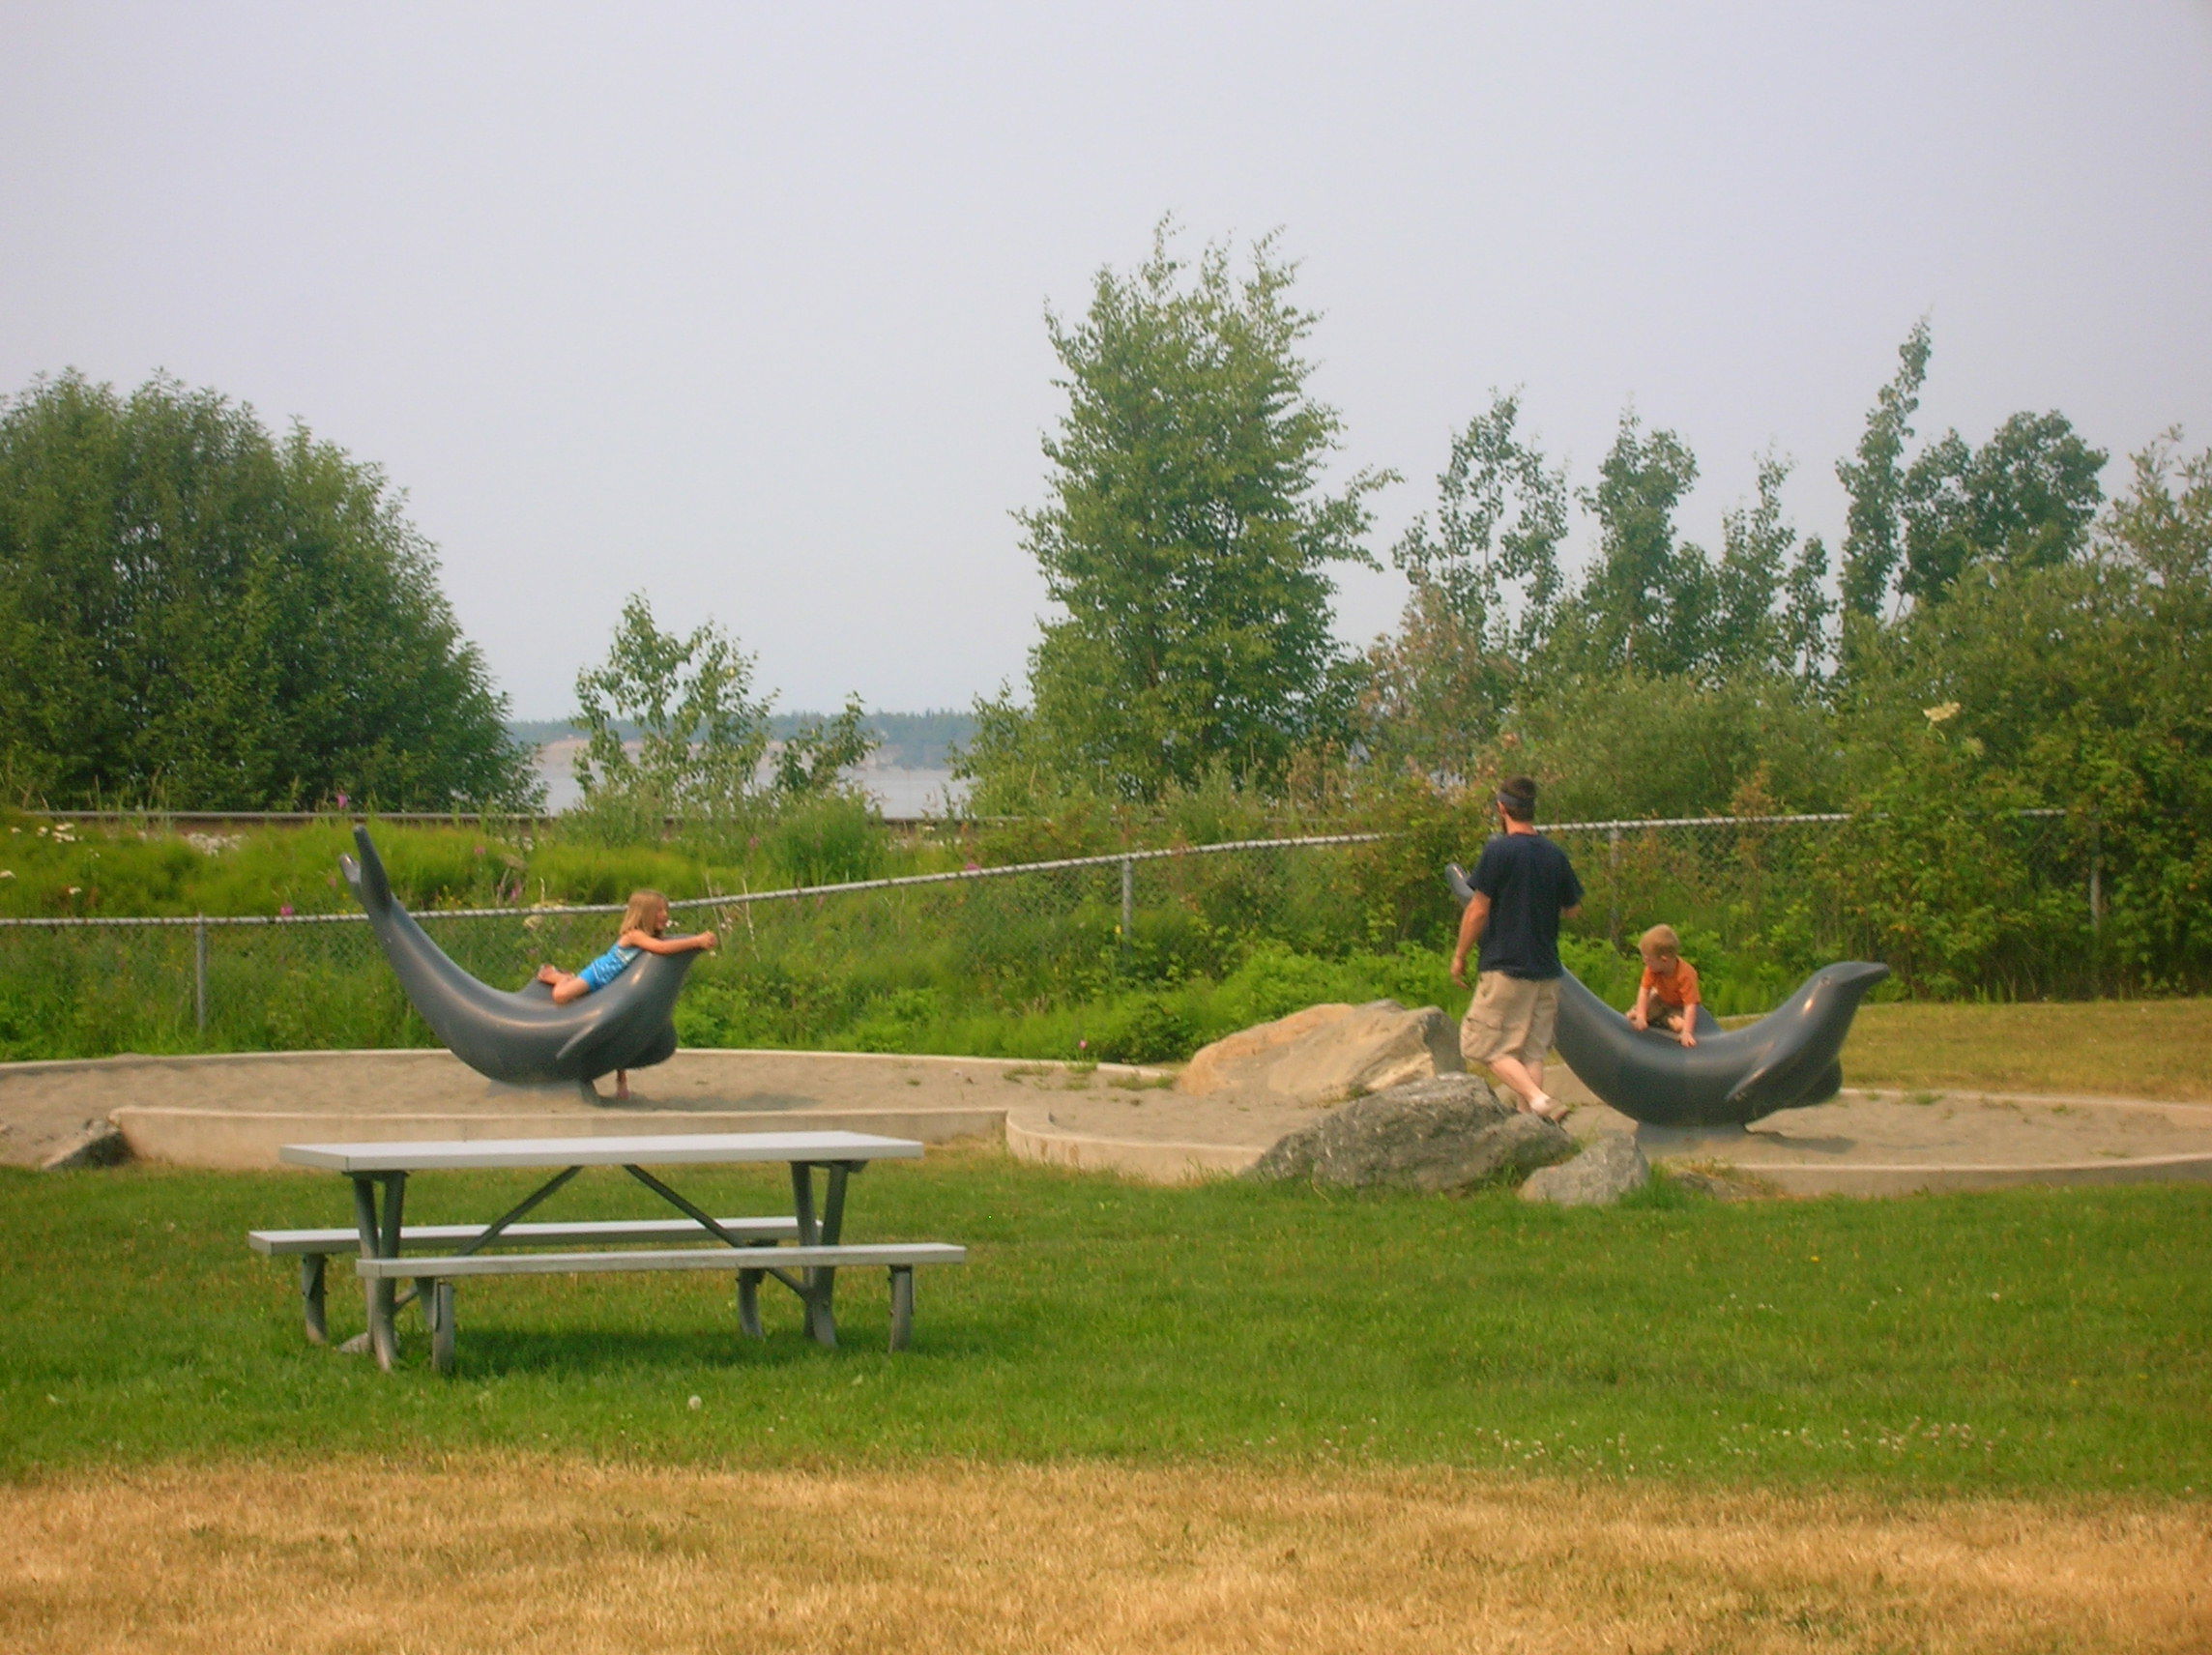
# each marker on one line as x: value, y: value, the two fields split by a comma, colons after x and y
x: 1667, y: 999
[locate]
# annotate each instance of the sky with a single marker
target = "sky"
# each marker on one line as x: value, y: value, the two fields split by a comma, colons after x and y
x: 743, y: 306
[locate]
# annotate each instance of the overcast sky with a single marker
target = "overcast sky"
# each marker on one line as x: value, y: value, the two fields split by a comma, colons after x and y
x: 743, y: 305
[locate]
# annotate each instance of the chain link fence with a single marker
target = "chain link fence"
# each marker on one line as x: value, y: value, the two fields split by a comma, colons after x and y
x: 794, y: 960
x: 1759, y: 899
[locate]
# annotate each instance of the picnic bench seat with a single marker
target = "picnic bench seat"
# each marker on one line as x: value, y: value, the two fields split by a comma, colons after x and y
x: 313, y: 1247
x: 750, y: 1263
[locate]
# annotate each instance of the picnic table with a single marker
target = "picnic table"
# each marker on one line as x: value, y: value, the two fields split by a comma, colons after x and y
x: 754, y: 1248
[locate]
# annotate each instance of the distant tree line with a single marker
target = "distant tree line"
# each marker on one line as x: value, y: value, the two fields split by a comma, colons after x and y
x: 1989, y: 631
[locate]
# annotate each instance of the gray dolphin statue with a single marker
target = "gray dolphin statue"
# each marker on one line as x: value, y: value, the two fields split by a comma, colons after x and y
x: 522, y: 1038
x: 1789, y: 1059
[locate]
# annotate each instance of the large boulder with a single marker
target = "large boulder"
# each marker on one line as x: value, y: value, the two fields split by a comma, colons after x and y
x: 1447, y: 1132
x: 1326, y: 1054
x: 1601, y: 1175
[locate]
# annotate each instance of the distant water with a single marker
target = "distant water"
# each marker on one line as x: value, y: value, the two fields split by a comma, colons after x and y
x: 898, y: 792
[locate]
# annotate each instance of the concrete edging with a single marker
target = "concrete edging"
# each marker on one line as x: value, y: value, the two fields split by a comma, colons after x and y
x: 1032, y: 1136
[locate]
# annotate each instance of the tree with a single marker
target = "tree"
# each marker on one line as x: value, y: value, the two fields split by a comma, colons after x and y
x: 1499, y: 582
x: 2081, y: 683
x: 195, y: 614
x: 1770, y: 610
x: 1646, y: 601
x: 1485, y: 583
x: 2024, y: 499
x: 813, y: 758
x: 1873, y: 540
x: 702, y: 739
x: 1187, y: 538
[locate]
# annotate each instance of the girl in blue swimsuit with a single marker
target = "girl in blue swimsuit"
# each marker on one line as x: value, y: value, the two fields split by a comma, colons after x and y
x: 642, y: 925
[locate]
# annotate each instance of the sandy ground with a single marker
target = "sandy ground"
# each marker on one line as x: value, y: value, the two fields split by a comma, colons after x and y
x: 556, y: 1556
x: 41, y: 1105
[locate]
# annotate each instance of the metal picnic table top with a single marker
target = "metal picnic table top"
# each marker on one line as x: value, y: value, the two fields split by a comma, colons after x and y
x: 671, y: 1148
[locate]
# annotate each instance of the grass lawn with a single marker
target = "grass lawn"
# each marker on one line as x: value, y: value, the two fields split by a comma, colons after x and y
x: 2124, y: 1048
x: 2016, y: 1342
x: 1223, y: 1418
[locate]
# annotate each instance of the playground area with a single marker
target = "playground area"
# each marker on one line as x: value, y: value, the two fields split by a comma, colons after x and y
x: 235, y: 1112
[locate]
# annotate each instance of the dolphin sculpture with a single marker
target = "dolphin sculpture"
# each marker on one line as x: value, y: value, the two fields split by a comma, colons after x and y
x: 522, y: 1038
x: 1787, y: 1059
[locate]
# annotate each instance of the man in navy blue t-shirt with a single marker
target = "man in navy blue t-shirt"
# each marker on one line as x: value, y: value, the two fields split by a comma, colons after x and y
x: 1524, y: 885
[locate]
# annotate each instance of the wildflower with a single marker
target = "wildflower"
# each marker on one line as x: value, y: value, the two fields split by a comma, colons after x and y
x: 343, y: 801
x: 285, y: 911
x: 74, y: 890
x: 1083, y: 1045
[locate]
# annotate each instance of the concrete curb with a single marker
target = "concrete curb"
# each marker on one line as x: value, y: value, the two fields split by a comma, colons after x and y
x: 1032, y: 1134
x: 1887, y: 1180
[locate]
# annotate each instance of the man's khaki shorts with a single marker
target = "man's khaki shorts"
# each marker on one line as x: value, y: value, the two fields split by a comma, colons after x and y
x: 1511, y: 1017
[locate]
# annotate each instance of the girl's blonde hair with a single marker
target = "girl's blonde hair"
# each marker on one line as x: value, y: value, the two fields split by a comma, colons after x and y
x: 1658, y: 937
x: 645, y: 907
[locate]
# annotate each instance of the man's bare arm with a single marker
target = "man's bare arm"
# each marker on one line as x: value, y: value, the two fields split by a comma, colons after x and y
x: 1470, y: 925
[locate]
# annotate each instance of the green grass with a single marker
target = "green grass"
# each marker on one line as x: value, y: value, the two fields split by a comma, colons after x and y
x: 2021, y: 1341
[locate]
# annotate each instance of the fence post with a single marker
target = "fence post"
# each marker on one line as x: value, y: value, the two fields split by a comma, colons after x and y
x: 1612, y: 883
x: 199, y: 972
x: 1128, y: 898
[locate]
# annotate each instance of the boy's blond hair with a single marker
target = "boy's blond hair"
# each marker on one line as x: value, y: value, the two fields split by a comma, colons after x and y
x: 645, y: 907
x: 1659, y: 937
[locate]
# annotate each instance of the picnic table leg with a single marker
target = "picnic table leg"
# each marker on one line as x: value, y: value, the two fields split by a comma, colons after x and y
x: 440, y: 1310
x: 311, y: 1297
x: 821, y: 1327
x: 902, y: 1306
x: 833, y: 1230
x: 380, y: 1240
x: 749, y: 1303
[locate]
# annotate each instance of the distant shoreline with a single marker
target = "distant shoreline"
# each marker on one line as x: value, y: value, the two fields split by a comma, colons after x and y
x: 898, y: 790
x: 905, y: 741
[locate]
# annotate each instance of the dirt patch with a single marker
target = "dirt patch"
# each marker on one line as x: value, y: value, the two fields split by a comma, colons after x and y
x: 554, y: 1558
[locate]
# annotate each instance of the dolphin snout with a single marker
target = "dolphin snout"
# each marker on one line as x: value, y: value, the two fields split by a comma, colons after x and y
x: 1853, y: 977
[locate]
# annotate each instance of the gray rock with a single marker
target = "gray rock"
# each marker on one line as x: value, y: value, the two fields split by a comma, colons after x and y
x: 1447, y: 1132
x: 1607, y: 1169
x: 99, y: 1144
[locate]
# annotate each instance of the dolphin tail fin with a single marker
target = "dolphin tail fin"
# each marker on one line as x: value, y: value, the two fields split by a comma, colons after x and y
x: 371, y: 886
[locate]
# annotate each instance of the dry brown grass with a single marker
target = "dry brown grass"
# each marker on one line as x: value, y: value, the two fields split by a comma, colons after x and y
x: 546, y: 1556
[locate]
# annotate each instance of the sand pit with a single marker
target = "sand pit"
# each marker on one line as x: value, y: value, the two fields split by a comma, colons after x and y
x: 236, y: 1111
